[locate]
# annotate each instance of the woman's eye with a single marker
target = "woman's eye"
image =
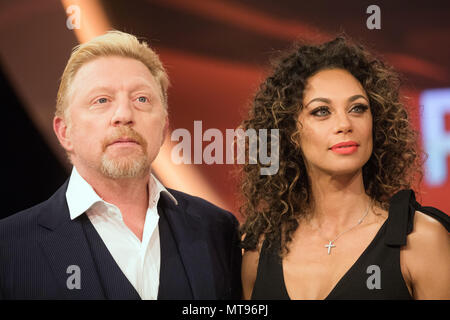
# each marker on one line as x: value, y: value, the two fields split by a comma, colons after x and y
x: 321, y: 112
x: 360, y: 108
x: 102, y: 100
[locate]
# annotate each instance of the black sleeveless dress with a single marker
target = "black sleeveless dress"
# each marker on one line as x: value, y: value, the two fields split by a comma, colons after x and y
x: 375, y: 275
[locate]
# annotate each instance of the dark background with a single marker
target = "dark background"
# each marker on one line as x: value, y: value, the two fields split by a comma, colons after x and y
x: 216, y: 53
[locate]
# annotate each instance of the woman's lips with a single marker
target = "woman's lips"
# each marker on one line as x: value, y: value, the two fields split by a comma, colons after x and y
x: 345, y: 147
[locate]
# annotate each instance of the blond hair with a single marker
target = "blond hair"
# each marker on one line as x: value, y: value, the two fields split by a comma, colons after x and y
x: 112, y: 43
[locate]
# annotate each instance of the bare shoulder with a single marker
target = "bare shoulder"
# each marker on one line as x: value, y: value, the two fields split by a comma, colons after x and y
x: 427, y: 258
x: 429, y: 239
x: 428, y: 231
x: 249, y: 270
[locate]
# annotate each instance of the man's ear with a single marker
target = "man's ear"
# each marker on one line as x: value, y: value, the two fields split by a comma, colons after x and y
x: 61, y: 130
x: 165, y: 130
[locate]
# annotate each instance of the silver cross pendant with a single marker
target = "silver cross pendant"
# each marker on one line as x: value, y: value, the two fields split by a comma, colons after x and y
x: 329, y: 246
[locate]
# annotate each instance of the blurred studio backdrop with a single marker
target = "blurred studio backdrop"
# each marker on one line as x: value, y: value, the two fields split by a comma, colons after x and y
x: 216, y: 53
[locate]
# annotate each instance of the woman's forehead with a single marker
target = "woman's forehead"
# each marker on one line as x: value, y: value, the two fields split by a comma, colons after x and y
x: 332, y: 83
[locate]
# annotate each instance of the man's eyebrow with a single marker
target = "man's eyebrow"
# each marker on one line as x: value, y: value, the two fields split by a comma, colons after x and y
x: 97, y: 88
x: 132, y: 87
x: 141, y: 85
x: 326, y: 100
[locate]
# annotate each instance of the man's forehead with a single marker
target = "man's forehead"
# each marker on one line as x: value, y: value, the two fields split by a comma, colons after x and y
x: 114, y: 72
x: 130, y: 85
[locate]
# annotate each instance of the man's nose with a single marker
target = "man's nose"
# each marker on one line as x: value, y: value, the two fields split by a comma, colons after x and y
x: 123, y: 113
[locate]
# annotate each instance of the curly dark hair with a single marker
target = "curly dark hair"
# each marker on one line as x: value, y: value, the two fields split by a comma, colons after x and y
x: 273, y: 204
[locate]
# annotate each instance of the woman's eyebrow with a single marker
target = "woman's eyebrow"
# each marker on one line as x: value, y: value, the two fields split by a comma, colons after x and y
x: 326, y: 100
x: 319, y: 99
x: 356, y: 97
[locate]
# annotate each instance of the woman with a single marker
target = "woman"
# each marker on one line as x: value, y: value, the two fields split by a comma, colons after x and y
x: 338, y: 220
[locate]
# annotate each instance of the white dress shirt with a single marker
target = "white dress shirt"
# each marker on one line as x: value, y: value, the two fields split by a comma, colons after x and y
x: 139, y: 261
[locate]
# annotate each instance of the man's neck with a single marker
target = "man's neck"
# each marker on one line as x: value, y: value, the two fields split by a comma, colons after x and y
x: 130, y: 195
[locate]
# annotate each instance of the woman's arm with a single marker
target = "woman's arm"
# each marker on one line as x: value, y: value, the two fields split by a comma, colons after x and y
x: 427, y: 258
x: 249, y: 270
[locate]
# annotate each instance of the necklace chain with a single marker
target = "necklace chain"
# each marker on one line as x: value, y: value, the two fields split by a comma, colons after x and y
x: 331, y: 242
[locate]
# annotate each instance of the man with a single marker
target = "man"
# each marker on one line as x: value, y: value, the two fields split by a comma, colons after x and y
x: 113, y: 231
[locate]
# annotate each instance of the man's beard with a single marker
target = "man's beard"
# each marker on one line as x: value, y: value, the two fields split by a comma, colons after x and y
x: 123, y: 168
x: 129, y: 166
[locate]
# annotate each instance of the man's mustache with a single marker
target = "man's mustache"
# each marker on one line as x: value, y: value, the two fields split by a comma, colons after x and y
x: 125, y: 133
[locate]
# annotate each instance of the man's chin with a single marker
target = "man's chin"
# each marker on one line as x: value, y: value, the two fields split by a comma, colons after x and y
x: 125, y: 168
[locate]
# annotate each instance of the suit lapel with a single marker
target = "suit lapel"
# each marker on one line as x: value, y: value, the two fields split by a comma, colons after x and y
x: 67, y: 250
x: 115, y: 284
x: 188, y: 232
x: 65, y: 245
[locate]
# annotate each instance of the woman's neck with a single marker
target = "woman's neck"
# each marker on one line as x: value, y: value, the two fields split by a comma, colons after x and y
x: 338, y: 201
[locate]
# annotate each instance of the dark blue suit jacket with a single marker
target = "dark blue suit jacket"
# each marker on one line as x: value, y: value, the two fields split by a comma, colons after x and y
x: 38, y: 244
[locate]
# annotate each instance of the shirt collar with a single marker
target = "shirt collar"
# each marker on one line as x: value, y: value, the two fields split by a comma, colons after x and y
x: 81, y: 196
x: 156, y: 188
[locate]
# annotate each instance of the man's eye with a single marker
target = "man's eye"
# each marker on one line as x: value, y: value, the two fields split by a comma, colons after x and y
x: 142, y: 99
x: 102, y: 100
x: 320, y: 112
